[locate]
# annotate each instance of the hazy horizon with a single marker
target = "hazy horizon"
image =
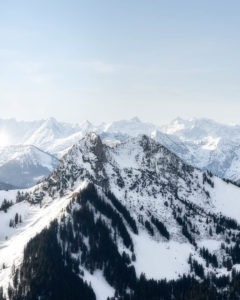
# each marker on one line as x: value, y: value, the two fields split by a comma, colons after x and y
x: 121, y: 119
x: 107, y: 60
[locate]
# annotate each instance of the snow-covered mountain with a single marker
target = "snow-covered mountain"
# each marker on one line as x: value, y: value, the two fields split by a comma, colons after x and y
x: 198, y: 129
x: 27, y: 149
x: 213, y: 146
x: 203, y: 143
x: 50, y: 132
x: 17, y: 132
x: 119, y: 212
x: 132, y: 127
x: 23, y: 166
x: 56, y: 137
x: 200, y: 142
x: 48, y: 135
x: 42, y: 133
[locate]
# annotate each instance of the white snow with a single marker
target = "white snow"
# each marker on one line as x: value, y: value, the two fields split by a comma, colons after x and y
x: 159, y: 260
x: 8, y: 195
x: 177, y: 125
x: 211, y: 143
x: 132, y: 127
x: 226, y: 198
x: 210, y: 244
x: 27, y: 155
x: 99, y: 284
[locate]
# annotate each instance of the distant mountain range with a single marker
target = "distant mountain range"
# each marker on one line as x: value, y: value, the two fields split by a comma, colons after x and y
x: 202, y: 143
x: 211, y: 145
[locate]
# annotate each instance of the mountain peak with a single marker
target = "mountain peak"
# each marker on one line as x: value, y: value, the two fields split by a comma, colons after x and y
x: 92, y: 143
x: 86, y: 124
x: 51, y: 120
x: 50, y: 124
x: 93, y: 138
x: 178, y: 120
x: 136, y: 119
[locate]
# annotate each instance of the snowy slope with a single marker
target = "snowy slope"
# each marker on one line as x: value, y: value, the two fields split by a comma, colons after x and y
x: 132, y: 127
x: 42, y: 133
x: 17, y: 132
x: 13, y: 240
x: 23, y: 166
x: 198, y: 129
x: 61, y: 145
x: 57, y: 137
x: 50, y: 131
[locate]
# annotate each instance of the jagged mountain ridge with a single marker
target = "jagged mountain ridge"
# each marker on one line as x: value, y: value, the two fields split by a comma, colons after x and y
x: 50, y: 132
x: 200, y: 142
x: 26, y: 159
x: 203, y: 143
x: 198, y: 128
x: 137, y: 200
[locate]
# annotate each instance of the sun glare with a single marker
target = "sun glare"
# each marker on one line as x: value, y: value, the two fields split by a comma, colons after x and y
x: 4, y: 139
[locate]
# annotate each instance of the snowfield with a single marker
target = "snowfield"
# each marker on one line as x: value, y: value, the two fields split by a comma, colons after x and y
x: 227, y: 199
x: 8, y: 195
x: 99, y: 284
x: 161, y: 260
x: 13, y: 240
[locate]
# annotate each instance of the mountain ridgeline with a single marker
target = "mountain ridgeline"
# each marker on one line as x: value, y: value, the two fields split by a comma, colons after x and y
x: 134, y: 220
x: 202, y: 143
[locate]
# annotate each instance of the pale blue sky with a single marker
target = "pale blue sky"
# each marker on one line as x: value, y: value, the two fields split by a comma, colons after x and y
x: 105, y: 60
